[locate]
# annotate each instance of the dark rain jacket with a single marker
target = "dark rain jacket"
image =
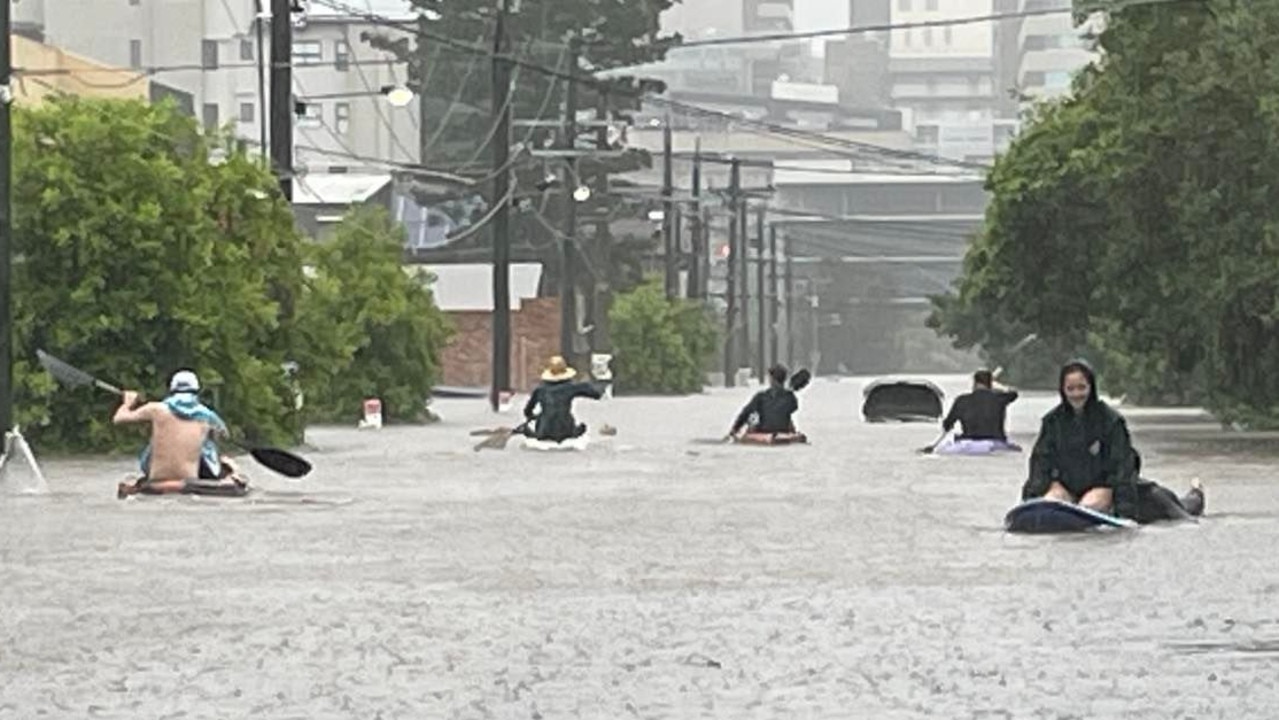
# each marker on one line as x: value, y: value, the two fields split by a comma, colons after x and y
x: 555, y: 420
x: 983, y: 413
x: 1083, y: 451
x: 772, y: 409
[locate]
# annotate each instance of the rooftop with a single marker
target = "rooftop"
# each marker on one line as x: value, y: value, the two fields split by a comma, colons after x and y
x: 337, y: 188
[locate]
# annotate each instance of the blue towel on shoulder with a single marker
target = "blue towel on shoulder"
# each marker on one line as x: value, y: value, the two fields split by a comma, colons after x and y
x: 187, y: 406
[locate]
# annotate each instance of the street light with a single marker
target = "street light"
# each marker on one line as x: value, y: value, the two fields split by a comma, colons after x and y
x: 399, y: 96
x: 582, y: 193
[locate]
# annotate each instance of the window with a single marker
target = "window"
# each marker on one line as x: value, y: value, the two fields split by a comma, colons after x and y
x: 246, y: 49
x: 246, y: 112
x: 311, y: 115
x: 342, y: 117
x: 135, y: 2
x: 903, y: 5
x: 308, y: 52
x: 341, y: 55
x: 928, y: 36
x: 209, y: 54
x: 210, y: 116
x: 927, y: 134
x: 135, y: 53
x: 949, y: 35
x: 910, y: 38
x: 931, y: 6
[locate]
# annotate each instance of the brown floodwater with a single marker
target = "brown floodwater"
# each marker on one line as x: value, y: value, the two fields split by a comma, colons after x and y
x: 647, y: 577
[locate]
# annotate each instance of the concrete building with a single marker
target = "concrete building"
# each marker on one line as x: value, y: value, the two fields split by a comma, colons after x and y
x: 1040, y: 53
x: 735, y: 69
x: 205, y: 52
x: 42, y: 70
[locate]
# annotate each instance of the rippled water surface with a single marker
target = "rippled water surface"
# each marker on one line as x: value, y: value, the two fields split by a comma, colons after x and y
x: 648, y: 577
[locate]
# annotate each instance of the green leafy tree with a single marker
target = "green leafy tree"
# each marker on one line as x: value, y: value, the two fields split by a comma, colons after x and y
x: 137, y: 252
x: 1157, y: 179
x: 662, y: 345
x: 372, y: 329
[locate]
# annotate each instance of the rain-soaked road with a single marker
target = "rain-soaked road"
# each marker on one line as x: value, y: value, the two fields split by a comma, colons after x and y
x: 648, y: 577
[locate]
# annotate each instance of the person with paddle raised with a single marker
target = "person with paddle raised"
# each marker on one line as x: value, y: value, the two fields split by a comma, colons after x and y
x: 549, y: 411
x: 182, y: 448
x: 1084, y: 454
x: 983, y: 413
x: 773, y: 411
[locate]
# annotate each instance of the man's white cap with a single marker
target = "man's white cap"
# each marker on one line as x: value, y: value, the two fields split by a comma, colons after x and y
x: 184, y: 381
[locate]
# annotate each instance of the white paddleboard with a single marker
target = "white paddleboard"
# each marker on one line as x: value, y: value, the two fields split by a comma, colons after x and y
x: 577, y: 443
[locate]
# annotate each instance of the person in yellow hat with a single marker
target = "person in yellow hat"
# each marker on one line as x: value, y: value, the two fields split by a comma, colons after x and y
x: 549, y: 410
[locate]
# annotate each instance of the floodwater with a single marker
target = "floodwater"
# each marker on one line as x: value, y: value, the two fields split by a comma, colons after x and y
x: 648, y: 577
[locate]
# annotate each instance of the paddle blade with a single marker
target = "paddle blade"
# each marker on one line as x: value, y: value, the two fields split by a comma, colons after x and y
x: 282, y: 461
x: 496, y: 441
x: 800, y: 380
x: 64, y: 373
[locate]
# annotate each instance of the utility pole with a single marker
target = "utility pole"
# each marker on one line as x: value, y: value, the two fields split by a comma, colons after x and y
x: 696, y: 243
x: 668, y: 210
x: 596, y: 313
x: 6, y: 222
x: 743, y: 268
x: 790, y: 307
x: 730, y: 290
x: 568, y: 239
x: 704, y: 228
x: 258, y: 25
x: 501, y: 110
x: 773, y: 291
x: 761, y: 297
x: 282, y: 95
x: 423, y: 69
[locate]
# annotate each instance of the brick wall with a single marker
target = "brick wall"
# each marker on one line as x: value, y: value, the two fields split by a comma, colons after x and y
x: 535, y: 336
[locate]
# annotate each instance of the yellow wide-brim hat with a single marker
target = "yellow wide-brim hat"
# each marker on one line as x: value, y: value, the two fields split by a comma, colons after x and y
x: 558, y: 369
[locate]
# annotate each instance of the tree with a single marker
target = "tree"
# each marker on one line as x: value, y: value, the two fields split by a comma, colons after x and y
x: 1157, y: 177
x: 662, y: 345
x: 370, y: 328
x: 447, y: 53
x: 136, y: 253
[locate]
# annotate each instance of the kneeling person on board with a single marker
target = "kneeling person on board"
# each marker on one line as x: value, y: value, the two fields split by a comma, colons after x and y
x: 983, y: 412
x: 182, y: 428
x: 1084, y: 453
x: 773, y: 409
x: 549, y: 411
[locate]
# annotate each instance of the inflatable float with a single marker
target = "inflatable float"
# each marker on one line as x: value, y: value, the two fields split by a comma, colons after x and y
x: 975, y: 447
x: 572, y: 444
x: 758, y: 438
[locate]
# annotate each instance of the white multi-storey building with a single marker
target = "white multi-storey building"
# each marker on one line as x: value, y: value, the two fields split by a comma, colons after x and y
x: 205, y: 54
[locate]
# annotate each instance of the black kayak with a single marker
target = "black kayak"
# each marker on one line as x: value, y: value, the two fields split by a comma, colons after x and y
x: 229, y: 487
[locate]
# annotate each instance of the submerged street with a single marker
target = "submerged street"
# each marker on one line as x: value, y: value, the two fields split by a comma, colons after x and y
x: 649, y: 577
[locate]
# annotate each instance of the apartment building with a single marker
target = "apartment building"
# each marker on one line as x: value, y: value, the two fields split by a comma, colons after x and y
x: 206, y: 53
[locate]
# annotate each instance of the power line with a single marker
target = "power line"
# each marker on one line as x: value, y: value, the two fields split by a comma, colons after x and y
x: 942, y: 22
x: 603, y: 83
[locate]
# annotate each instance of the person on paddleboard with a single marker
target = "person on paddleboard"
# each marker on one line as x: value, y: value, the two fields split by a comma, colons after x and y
x: 549, y: 411
x: 983, y: 412
x: 772, y: 409
x: 182, y: 446
x: 1084, y: 452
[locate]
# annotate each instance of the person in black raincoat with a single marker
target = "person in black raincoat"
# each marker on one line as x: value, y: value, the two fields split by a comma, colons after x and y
x: 549, y: 411
x: 1083, y: 453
